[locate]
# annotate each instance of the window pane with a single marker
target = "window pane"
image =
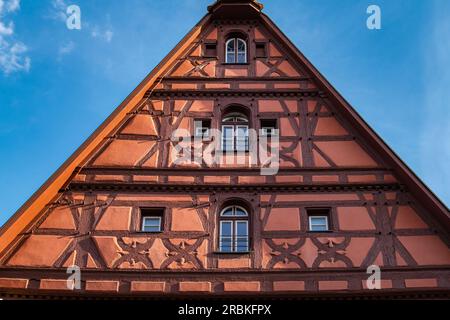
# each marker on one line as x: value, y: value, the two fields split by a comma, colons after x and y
x: 228, y: 132
x: 241, y: 228
x: 242, y: 58
x: 228, y: 212
x: 319, y: 228
x: 241, y: 119
x: 240, y: 212
x: 241, y: 244
x: 242, y: 138
x: 151, y: 221
x: 230, y: 45
x: 318, y: 223
x: 241, y: 236
x: 318, y: 220
x: 151, y: 229
x: 241, y: 45
x: 227, y: 137
x: 151, y: 224
x: 231, y: 57
x: 226, y: 244
x: 226, y: 228
x: 242, y: 131
x: 241, y: 51
x: 241, y: 145
x: 226, y: 236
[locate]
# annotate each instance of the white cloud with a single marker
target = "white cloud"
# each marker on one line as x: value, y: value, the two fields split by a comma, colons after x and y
x: 9, y: 5
x: 59, y: 10
x: 66, y: 48
x: 13, y: 56
x: 6, y: 30
x: 13, y: 5
x: 106, y: 35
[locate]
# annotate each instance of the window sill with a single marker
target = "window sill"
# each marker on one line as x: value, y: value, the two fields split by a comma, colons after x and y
x: 327, y: 231
x: 233, y: 151
x: 242, y: 253
x: 236, y: 64
x: 148, y: 232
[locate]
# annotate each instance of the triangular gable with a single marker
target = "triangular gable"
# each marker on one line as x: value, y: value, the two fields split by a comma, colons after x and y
x: 27, y: 214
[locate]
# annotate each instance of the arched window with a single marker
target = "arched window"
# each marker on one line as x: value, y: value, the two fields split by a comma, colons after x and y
x: 236, y: 51
x: 233, y: 233
x: 235, y: 132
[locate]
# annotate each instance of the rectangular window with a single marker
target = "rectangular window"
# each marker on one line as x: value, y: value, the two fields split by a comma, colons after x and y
x: 152, y: 219
x: 233, y: 236
x: 269, y: 127
x: 210, y: 49
x: 319, y: 220
x: 235, y: 138
x: 261, y: 51
x: 202, y: 127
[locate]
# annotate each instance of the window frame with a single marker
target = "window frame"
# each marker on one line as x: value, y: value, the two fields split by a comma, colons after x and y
x: 205, y: 52
x: 262, y: 45
x: 236, y: 121
x: 234, y: 220
x: 157, y: 212
x: 319, y: 213
x: 144, y: 225
x: 202, y: 127
x: 274, y: 132
x: 236, y: 51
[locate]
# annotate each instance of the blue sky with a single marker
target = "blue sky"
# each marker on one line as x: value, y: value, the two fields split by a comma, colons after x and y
x: 57, y: 85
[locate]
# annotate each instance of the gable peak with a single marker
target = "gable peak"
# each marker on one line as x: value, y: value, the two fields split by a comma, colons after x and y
x: 225, y: 9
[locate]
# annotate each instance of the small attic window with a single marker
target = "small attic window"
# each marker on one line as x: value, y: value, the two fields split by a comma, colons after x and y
x: 202, y: 128
x: 261, y: 50
x: 319, y: 219
x: 269, y: 127
x: 152, y: 219
x: 210, y: 49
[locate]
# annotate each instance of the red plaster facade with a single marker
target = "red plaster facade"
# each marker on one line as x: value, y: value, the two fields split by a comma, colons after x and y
x: 327, y: 160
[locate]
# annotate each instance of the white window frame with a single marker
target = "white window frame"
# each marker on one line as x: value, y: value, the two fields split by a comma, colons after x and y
x: 234, y: 223
x: 236, y: 51
x: 327, y: 225
x: 234, y: 137
x: 234, y: 211
x: 151, y: 217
